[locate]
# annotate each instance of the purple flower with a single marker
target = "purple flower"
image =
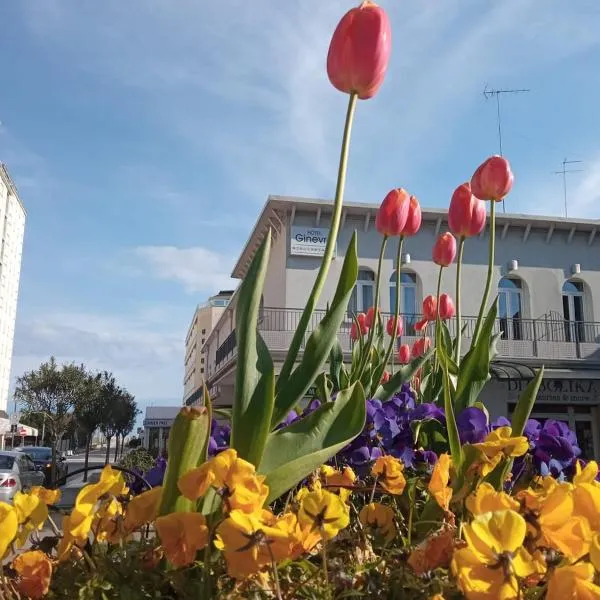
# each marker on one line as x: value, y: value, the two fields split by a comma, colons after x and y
x: 556, y: 442
x: 472, y: 425
x: 532, y: 430
x: 500, y: 422
x: 426, y: 411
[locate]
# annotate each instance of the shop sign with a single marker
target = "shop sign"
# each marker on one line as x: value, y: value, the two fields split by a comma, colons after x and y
x: 308, y: 241
x: 564, y: 391
x: 158, y: 422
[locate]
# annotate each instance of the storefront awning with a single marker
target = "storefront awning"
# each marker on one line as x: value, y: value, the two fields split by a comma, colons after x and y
x: 504, y: 369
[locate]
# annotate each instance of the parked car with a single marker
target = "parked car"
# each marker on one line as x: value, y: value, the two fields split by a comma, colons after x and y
x: 42, y: 458
x: 17, y: 472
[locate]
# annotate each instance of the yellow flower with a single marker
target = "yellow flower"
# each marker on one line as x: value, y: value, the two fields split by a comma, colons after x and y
x: 108, y: 521
x: 324, y: 512
x: 380, y: 518
x: 500, y: 444
x: 30, y: 509
x: 182, y: 534
x: 345, y: 477
x: 587, y: 474
x: 9, y: 525
x: 142, y: 509
x: 560, y: 528
x: 438, y: 485
x: 248, y: 543
x: 236, y: 479
x: 486, y: 499
x: 48, y: 497
x: 586, y: 497
x: 595, y: 551
x: 573, y: 581
x: 304, y: 538
x: 494, y: 557
x: 35, y: 571
x: 388, y: 470
x: 111, y: 484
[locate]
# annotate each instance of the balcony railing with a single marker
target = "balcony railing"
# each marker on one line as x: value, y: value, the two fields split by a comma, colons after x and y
x: 544, y: 338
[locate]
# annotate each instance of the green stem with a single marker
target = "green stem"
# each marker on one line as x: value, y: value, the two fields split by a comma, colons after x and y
x: 437, y: 316
x: 275, y: 573
x: 488, y: 283
x: 369, y: 343
x: 325, y: 571
x: 461, y: 247
x: 397, y: 303
x: 292, y: 354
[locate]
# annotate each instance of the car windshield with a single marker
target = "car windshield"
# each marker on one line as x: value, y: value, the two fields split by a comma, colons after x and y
x: 6, y: 462
x: 38, y: 453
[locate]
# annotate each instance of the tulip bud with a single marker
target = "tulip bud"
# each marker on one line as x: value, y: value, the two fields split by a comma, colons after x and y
x: 404, y: 354
x: 421, y: 346
x: 362, y: 320
x: 444, y: 250
x: 446, y: 307
x: 385, y: 377
x: 362, y: 329
x: 393, y: 213
x: 359, y: 51
x: 370, y: 318
x: 394, y: 329
x: 493, y: 179
x: 430, y: 308
x: 467, y: 214
x: 413, y: 221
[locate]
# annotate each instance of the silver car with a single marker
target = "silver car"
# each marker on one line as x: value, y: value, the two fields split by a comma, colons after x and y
x: 17, y: 472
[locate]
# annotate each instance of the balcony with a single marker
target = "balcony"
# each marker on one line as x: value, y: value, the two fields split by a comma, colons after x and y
x: 545, y: 338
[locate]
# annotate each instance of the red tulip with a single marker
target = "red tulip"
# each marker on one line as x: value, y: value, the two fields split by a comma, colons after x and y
x: 467, y: 214
x: 444, y: 250
x: 385, y: 377
x: 421, y: 346
x: 394, y: 329
x: 493, y: 179
x: 404, y: 354
x: 370, y: 318
x: 430, y: 308
x: 446, y: 307
x: 359, y: 51
x: 413, y: 221
x: 361, y: 318
x: 393, y: 213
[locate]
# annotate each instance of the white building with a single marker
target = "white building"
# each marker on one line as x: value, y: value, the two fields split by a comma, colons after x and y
x: 12, y: 229
x: 157, y: 425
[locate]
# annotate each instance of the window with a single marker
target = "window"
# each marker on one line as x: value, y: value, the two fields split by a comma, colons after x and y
x: 202, y: 370
x: 203, y: 340
x: 510, y: 308
x: 201, y: 361
x: 573, y: 311
x: 408, y: 299
x: 363, y: 292
x: 203, y: 331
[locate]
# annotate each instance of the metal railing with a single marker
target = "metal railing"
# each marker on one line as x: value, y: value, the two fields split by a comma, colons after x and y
x: 538, y: 331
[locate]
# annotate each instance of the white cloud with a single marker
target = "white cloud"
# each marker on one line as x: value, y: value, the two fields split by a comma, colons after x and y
x: 197, y: 269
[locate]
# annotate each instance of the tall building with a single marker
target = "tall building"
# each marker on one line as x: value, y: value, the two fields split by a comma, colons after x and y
x: 547, y: 278
x: 12, y: 229
x: 205, y: 317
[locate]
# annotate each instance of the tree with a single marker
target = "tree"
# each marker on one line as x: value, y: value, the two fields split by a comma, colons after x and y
x: 127, y: 414
x: 52, y: 391
x: 90, y: 409
x: 110, y: 394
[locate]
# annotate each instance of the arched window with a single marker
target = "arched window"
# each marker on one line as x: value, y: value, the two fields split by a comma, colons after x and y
x: 363, y: 292
x: 510, y: 308
x: 408, y: 299
x: 572, y: 295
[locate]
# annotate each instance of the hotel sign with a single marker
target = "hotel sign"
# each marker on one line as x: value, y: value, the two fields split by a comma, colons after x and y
x: 308, y: 241
x: 563, y: 391
x: 158, y: 422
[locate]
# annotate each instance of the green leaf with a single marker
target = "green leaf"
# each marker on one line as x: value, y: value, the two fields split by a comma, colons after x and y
x: 444, y: 352
x: 404, y: 375
x: 187, y: 448
x: 453, y: 437
x: 255, y: 376
x: 474, y: 371
x: 323, y: 388
x: 525, y: 404
x: 320, y: 342
x: 295, y: 451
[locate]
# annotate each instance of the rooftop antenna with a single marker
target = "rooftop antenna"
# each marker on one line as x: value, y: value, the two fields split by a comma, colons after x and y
x: 564, y: 172
x: 491, y: 93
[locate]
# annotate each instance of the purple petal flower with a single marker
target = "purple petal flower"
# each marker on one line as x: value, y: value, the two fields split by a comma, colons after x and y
x: 472, y: 425
x: 532, y: 430
x: 427, y: 411
x: 500, y: 422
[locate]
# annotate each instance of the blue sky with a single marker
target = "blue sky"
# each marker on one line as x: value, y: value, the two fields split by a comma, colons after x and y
x: 144, y: 137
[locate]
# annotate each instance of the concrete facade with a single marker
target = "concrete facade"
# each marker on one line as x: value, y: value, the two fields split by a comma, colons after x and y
x: 205, y: 318
x: 157, y: 425
x: 12, y: 230
x: 547, y: 274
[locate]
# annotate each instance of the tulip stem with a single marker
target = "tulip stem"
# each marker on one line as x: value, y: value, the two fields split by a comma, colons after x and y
x: 326, y: 571
x: 488, y: 283
x: 437, y: 316
x: 461, y: 247
x: 311, y: 303
x: 397, y: 303
x: 375, y: 323
x: 275, y: 573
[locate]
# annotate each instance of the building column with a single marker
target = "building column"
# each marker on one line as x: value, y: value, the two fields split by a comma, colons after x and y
x: 147, y: 437
x: 160, y: 441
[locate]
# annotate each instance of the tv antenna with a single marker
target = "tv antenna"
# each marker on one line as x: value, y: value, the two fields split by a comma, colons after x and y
x: 564, y: 172
x: 496, y: 93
